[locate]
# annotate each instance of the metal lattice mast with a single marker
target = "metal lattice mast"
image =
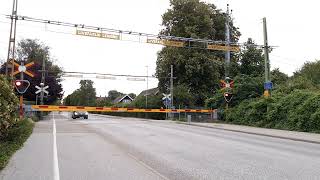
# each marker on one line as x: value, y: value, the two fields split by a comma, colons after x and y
x: 12, y: 39
x: 227, y: 42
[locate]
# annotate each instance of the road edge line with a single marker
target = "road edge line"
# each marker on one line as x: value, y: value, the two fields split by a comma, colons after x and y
x: 56, y: 175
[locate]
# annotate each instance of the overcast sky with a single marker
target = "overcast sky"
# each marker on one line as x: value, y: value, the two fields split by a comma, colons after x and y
x: 292, y: 26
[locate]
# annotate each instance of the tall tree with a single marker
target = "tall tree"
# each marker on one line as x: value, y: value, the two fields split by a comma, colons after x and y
x: 251, y: 60
x: 33, y: 50
x: 113, y: 94
x: 310, y: 70
x: 84, y: 96
x: 197, y: 69
x: 278, y: 77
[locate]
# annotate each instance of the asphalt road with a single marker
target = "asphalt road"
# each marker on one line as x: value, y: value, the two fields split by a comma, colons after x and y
x: 105, y: 147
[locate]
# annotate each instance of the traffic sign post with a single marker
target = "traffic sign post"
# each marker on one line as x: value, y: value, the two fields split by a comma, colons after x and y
x: 228, y: 83
x: 267, y: 88
x: 22, y: 85
x: 40, y: 89
x: 227, y: 96
x: 268, y: 85
x: 23, y: 68
x: 166, y: 101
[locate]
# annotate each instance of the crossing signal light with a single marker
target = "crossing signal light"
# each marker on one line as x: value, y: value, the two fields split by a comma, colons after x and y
x: 21, y: 85
x: 228, y: 96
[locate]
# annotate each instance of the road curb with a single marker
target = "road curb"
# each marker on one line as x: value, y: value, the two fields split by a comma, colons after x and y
x: 254, y: 133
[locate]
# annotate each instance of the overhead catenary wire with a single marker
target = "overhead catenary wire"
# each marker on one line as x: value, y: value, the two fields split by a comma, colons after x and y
x: 63, y: 73
x: 102, y: 29
x: 106, y: 74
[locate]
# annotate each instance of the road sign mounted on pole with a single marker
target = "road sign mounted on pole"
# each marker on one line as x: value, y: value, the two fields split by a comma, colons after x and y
x: 228, y: 96
x: 40, y: 89
x: 166, y: 100
x: 227, y: 83
x: 268, y: 85
x: 166, y: 96
x: 23, y: 69
x: 21, y: 86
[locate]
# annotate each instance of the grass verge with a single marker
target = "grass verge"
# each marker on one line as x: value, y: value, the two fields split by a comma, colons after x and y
x: 17, y: 135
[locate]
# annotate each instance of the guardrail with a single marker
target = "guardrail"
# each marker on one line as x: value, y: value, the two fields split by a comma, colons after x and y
x: 114, y: 109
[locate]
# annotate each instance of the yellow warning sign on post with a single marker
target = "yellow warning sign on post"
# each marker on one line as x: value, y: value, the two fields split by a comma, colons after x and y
x: 223, y: 48
x: 98, y: 34
x: 166, y: 42
x: 266, y: 93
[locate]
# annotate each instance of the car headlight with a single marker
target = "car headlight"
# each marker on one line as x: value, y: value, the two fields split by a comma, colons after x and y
x: 75, y: 113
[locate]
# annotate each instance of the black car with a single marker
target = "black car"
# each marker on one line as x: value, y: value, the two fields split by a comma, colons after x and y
x: 79, y: 114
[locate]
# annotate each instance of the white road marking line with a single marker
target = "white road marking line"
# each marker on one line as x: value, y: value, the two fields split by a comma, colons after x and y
x: 56, y: 175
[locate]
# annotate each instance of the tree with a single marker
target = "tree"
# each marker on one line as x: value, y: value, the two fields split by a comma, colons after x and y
x: 197, y: 69
x: 183, y: 97
x: 310, y: 70
x: 132, y: 95
x: 33, y: 50
x: 84, y: 96
x: 114, y: 94
x: 278, y: 77
x: 251, y: 60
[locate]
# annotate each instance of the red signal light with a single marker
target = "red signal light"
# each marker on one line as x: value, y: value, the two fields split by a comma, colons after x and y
x: 18, y: 83
x: 21, y: 85
x: 228, y: 96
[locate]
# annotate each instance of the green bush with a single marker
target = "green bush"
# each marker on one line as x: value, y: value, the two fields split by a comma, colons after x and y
x: 250, y: 112
x: 14, y: 140
x: 283, y: 112
x: 8, y: 105
x: 299, y: 111
x: 302, y: 116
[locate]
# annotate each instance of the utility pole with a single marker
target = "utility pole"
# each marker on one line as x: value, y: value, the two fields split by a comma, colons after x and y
x: 266, y: 57
x: 147, y: 89
x: 171, y: 90
x: 43, y: 78
x: 171, y: 86
x: 12, y: 39
x: 21, y: 95
x: 227, y: 36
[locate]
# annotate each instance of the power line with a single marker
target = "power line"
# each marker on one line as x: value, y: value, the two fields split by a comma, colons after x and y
x: 163, y: 37
x: 106, y: 74
x: 67, y: 24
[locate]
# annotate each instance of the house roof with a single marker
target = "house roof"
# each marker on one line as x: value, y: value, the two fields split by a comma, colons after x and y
x: 120, y: 98
x: 153, y: 91
x: 101, y: 98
